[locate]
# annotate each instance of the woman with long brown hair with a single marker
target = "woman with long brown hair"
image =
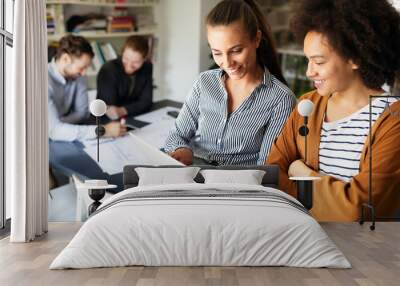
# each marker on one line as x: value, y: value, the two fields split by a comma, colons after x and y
x: 234, y: 113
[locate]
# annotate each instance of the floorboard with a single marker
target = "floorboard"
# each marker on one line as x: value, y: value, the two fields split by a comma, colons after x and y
x: 374, y: 255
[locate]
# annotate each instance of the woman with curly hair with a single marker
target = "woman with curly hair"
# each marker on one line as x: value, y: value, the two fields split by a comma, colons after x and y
x: 352, y: 47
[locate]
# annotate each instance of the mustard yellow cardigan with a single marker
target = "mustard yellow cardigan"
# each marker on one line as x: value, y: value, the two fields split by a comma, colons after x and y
x: 336, y: 200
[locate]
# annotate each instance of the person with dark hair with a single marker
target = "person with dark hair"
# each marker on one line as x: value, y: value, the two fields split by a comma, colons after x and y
x: 126, y: 83
x: 234, y: 113
x: 352, y: 47
x: 68, y: 101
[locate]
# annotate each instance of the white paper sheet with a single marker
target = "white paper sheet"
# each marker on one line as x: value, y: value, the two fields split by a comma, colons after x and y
x: 93, y: 142
x: 157, y: 115
x: 130, y: 149
x: 156, y: 133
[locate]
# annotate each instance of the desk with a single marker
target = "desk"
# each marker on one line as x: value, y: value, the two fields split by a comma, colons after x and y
x: 69, y: 158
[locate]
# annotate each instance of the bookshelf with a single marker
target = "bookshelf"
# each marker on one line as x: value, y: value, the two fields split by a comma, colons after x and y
x: 102, y: 35
x: 294, y: 67
x: 105, y: 4
x: 101, y: 22
x: 292, y: 59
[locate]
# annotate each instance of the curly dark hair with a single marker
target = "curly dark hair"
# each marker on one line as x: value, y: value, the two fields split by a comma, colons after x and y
x: 365, y: 31
x: 74, y: 46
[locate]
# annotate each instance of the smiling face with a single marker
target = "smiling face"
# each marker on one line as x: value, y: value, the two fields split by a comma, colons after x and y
x: 233, y: 50
x: 329, y: 71
x: 132, y: 60
x: 75, y: 67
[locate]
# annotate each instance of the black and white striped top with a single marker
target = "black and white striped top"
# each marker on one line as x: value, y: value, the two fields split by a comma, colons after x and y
x: 243, y: 137
x: 342, y: 141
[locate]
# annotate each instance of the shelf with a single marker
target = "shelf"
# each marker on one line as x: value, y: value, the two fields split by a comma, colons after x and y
x: 291, y: 51
x: 292, y: 75
x: 103, y: 35
x: 102, y: 4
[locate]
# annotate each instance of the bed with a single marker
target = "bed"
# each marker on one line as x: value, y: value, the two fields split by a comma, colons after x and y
x: 201, y: 224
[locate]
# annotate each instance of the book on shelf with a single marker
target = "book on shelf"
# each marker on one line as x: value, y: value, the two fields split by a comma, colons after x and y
x: 91, y: 25
x: 118, y: 2
x: 50, y: 19
x: 119, y: 19
x: 108, y: 51
x: 119, y: 12
x: 135, y: 1
x: 55, y: 19
x: 120, y: 24
x: 103, y: 52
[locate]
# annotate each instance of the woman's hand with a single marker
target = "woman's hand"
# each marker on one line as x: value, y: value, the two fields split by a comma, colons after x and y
x: 183, y: 155
x: 299, y: 169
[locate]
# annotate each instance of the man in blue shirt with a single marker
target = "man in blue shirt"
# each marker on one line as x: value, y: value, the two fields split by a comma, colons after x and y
x: 68, y: 100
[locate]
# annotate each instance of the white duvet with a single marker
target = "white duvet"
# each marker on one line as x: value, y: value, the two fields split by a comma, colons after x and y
x: 207, y: 230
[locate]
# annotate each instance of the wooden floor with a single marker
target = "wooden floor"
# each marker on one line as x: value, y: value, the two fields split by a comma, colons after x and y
x: 375, y: 257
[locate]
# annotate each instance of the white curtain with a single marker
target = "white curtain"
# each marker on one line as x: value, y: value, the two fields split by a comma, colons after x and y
x: 26, y: 131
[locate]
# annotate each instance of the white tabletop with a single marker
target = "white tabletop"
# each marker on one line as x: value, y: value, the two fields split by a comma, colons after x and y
x: 304, y: 178
x: 95, y: 187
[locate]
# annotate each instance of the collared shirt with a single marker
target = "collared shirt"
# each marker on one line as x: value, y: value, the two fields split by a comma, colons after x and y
x: 68, y: 106
x: 243, y: 137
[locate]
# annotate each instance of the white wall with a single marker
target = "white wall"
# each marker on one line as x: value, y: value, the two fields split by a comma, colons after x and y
x: 178, y: 52
x: 182, y: 51
x: 205, y: 60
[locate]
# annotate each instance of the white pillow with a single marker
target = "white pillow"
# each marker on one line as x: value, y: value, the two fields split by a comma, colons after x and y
x: 248, y: 177
x: 165, y: 176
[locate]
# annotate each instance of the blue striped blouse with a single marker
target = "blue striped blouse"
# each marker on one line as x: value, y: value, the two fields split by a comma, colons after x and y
x: 243, y: 137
